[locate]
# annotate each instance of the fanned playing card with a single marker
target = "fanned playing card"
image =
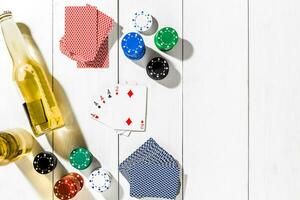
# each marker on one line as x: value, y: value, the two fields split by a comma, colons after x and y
x: 107, y: 108
x: 99, y: 101
x: 127, y: 110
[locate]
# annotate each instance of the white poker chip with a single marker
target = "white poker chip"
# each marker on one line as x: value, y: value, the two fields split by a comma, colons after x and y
x: 142, y: 21
x: 100, y: 180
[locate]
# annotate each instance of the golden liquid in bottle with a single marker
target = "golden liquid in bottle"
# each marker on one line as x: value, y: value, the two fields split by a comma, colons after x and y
x: 14, y: 144
x: 40, y: 104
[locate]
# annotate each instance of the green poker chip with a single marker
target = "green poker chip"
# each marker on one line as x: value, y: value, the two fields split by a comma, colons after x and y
x: 166, y: 38
x: 81, y: 158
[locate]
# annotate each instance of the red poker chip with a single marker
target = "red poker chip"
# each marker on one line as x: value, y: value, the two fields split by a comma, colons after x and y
x: 79, y: 179
x: 68, y: 186
x: 65, y: 189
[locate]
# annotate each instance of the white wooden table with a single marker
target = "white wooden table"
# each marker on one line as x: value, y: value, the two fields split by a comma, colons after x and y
x: 228, y: 112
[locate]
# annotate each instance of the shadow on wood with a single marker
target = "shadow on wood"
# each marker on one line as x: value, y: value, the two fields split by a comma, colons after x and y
x: 114, y: 35
x: 182, y: 51
x: 153, y: 28
x: 172, y: 80
x: 65, y: 139
x: 42, y: 183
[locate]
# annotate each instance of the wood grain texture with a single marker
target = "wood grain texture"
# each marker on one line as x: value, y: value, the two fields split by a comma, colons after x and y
x: 19, y: 180
x: 215, y: 99
x: 74, y: 87
x: 274, y: 100
x: 199, y: 113
x: 164, y: 111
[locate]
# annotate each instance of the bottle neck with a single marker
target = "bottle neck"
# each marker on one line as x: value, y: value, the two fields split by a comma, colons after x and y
x: 14, y: 41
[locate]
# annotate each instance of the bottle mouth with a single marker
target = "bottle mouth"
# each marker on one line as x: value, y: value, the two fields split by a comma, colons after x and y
x: 3, y: 148
x: 5, y: 15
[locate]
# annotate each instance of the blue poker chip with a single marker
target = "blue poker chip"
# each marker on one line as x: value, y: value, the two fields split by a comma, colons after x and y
x: 135, y: 57
x: 133, y: 46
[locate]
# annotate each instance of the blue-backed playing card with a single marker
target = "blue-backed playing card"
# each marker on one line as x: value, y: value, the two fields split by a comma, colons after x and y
x: 149, y: 152
x: 152, y: 180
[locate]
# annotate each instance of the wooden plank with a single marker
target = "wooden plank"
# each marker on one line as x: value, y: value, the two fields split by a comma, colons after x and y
x: 74, y: 88
x: 274, y: 100
x: 215, y: 99
x: 20, y: 179
x: 164, y: 112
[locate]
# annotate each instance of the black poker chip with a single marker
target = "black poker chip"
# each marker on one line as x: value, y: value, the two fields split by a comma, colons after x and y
x: 157, y: 68
x: 44, y: 162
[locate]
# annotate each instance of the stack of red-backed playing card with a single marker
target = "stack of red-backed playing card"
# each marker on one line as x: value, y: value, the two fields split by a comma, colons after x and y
x: 86, y: 36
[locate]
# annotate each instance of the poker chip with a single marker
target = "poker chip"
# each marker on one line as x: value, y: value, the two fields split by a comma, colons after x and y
x: 77, y: 178
x: 142, y: 21
x: 100, y: 180
x: 157, y: 68
x: 44, y: 162
x: 166, y: 38
x: 68, y: 186
x: 133, y: 46
x: 81, y: 158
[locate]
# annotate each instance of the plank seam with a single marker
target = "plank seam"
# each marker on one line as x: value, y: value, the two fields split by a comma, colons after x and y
x: 248, y: 82
x: 118, y: 81
x: 52, y: 81
x: 182, y: 99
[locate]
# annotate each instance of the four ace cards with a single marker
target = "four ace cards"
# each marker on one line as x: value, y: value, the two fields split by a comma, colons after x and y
x: 121, y: 107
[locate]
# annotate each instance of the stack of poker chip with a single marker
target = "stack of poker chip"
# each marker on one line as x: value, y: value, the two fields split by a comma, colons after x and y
x: 166, y: 39
x: 100, y: 180
x: 44, y: 162
x: 86, y: 36
x: 157, y: 68
x: 133, y: 46
x: 68, y: 186
x: 80, y: 158
x: 151, y: 172
x: 142, y: 21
